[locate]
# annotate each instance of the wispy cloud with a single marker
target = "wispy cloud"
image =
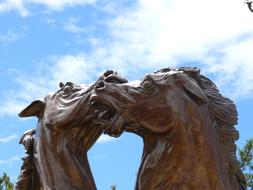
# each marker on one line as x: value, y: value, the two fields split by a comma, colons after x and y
x: 71, y: 26
x: 150, y: 35
x: 232, y: 65
x: 21, y: 6
x: 51, y: 22
x: 81, y: 33
x: 11, y: 160
x: 8, y: 139
x: 12, y: 107
x: 60, y: 4
x: 9, y: 37
x: 46, y: 79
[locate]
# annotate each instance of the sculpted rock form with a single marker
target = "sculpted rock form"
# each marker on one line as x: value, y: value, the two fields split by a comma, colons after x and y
x: 57, y: 148
x: 187, y: 127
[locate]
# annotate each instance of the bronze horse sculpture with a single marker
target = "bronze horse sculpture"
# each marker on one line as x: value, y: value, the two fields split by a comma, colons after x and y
x: 187, y: 127
x: 57, y: 148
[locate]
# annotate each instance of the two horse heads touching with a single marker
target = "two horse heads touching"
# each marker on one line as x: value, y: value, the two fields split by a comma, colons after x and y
x: 186, y: 125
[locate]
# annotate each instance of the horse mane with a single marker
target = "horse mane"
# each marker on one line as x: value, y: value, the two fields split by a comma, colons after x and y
x: 27, y: 178
x: 225, y: 114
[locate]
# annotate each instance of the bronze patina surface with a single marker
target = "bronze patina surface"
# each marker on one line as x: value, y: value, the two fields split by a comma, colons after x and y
x: 57, y: 148
x: 187, y: 128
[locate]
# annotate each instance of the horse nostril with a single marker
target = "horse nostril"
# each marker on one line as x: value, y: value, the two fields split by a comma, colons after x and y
x: 100, y: 84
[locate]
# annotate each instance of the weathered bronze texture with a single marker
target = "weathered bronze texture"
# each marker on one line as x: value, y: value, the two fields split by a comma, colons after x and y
x: 28, y: 176
x: 187, y: 128
x: 57, y: 148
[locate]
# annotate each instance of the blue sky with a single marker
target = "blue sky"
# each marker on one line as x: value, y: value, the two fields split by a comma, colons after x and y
x: 43, y: 42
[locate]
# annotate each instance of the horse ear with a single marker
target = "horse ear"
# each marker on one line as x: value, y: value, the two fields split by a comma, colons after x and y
x: 192, y: 89
x: 34, y: 109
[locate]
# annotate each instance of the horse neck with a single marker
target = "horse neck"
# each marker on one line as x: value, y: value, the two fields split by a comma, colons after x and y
x: 187, y: 157
x: 63, y: 162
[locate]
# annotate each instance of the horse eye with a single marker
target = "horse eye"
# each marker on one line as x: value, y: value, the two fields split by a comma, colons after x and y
x: 67, y: 89
x: 147, y: 84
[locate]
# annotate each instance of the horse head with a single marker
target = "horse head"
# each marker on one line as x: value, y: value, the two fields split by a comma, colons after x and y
x: 153, y: 104
x: 64, y: 133
x: 186, y: 125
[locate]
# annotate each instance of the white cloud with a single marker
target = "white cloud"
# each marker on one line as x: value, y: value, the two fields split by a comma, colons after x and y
x: 14, y: 5
x: 8, y: 139
x: 21, y: 6
x: 65, y: 68
x: 9, y: 37
x: 11, y: 160
x: 12, y: 107
x: 71, y: 26
x: 61, y: 4
x: 163, y: 31
x: 233, y: 68
x: 51, y: 22
x: 70, y: 68
x: 153, y: 34
x: 217, y: 35
x: 105, y: 138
